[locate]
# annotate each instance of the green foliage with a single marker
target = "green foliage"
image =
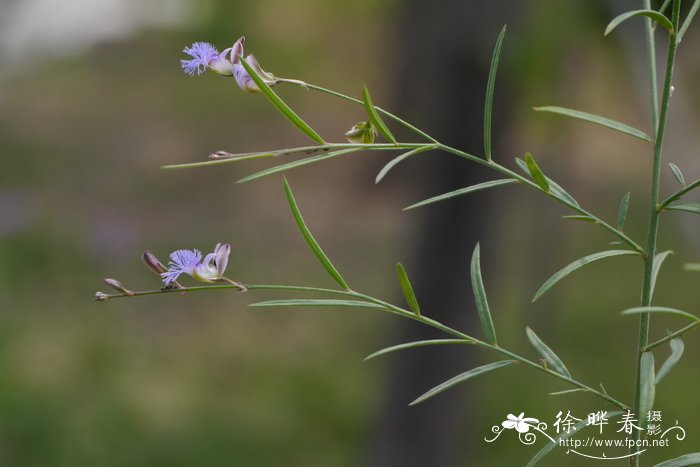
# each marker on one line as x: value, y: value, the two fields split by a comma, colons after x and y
x: 548, y: 354
x: 407, y: 289
x: 579, y: 263
x: 462, y: 377
x: 677, y: 348
x: 310, y: 240
x: 598, y: 120
x: 482, y: 304
x: 655, y: 16
x: 488, y: 106
x: 280, y: 105
x: 375, y: 118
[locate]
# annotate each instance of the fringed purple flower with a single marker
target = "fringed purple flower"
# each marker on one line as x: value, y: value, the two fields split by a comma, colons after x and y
x: 209, y: 269
x: 205, y: 56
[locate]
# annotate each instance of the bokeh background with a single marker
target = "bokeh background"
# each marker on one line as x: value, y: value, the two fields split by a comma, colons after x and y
x: 93, y: 103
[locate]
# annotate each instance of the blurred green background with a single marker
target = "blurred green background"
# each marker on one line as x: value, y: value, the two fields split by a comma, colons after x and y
x: 93, y: 103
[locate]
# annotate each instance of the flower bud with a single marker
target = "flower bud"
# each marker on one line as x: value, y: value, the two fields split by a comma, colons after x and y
x: 116, y: 285
x: 153, y: 263
x: 101, y: 297
x: 361, y: 133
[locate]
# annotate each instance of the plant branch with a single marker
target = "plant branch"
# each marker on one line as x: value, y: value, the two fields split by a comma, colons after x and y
x: 679, y: 194
x: 386, y: 306
x: 647, y: 287
x: 678, y: 333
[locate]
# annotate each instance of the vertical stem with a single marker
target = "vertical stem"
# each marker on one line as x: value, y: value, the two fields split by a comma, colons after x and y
x: 660, y: 126
x: 651, y: 57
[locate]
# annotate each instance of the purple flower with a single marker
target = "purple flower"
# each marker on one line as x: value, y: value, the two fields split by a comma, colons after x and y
x: 205, y: 56
x: 209, y: 269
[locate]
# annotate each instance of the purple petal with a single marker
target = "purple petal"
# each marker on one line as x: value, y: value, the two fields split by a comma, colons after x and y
x: 202, y: 53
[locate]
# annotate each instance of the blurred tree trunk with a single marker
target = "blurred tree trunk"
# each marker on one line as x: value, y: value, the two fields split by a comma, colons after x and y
x: 442, y: 72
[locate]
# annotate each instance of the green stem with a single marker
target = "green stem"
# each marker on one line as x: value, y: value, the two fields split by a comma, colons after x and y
x: 388, y: 307
x: 529, y: 183
x: 679, y: 194
x: 652, y: 236
x: 444, y: 328
x: 678, y: 333
x: 379, y: 109
x: 651, y: 57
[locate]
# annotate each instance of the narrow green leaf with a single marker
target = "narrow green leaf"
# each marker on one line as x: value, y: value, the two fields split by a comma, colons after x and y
x: 392, y: 163
x: 461, y: 378
x: 407, y: 289
x: 678, y: 175
x: 566, y: 391
x: 412, y: 345
x: 559, y: 275
x: 647, y: 388
x: 576, y: 429
x: 553, y: 360
x: 310, y: 240
x: 462, y: 191
x: 688, y: 207
x: 281, y: 106
x: 316, y: 302
x: 656, y: 267
x: 683, y: 461
x: 488, y: 106
x: 554, y: 188
x: 688, y: 20
x: 651, y: 14
x: 598, y: 120
x: 297, y: 163
x: 622, y: 210
x: 694, y: 267
x: 482, y: 304
x: 579, y: 218
x: 375, y: 118
x: 677, y: 348
x: 536, y: 172
x: 659, y: 309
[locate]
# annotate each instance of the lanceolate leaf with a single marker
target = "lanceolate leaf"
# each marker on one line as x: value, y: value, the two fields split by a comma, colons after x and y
x: 297, y: 163
x: 660, y: 309
x: 598, y: 120
x: 375, y: 118
x: 656, y: 267
x: 683, y: 461
x: 462, y: 191
x: 677, y: 348
x: 677, y: 174
x: 579, y: 218
x: 411, y: 345
x: 554, y: 362
x: 460, y: 379
x: 488, y: 107
x: 550, y: 446
x: 407, y: 289
x: 316, y: 302
x: 688, y: 207
x: 647, y: 387
x: 559, y: 275
x: 536, y: 172
x: 688, y: 19
x: 554, y: 188
x: 482, y: 304
x: 652, y: 14
x: 281, y: 106
x: 390, y: 165
x: 622, y: 210
x: 310, y: 240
